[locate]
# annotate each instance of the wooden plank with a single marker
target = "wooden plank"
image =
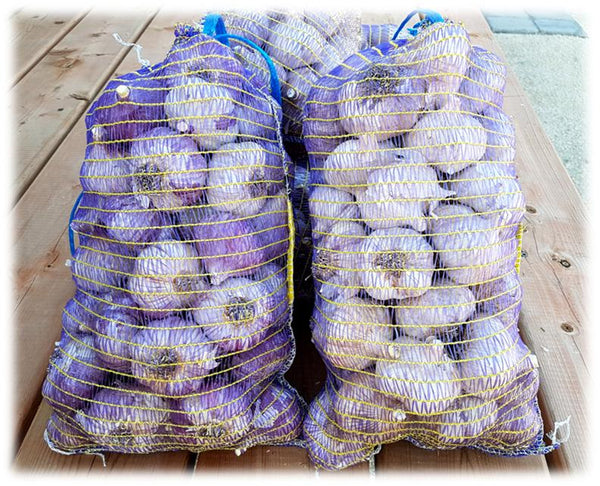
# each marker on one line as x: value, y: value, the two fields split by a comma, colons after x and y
x: 35, y: 456
x: 34, y: 34
x: 42, y: 282
x: 405, y: 457
x: 255, y: 461
x: 48, y: 101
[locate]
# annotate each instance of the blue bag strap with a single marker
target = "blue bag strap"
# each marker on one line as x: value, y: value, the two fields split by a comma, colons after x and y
x: 214, y: 25
x: 431, y: 17
x: 71, y: 217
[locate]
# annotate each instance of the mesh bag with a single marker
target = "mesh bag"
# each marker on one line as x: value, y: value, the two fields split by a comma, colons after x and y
x: 178, y: 334
x: 375, y: 34
x: 302, y: 45
x: 415, y: 210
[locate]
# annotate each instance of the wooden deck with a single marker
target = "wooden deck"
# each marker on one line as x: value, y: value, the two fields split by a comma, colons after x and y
x: 61, y: 63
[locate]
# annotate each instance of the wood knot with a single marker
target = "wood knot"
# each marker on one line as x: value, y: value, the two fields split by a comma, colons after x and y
x: 565, y: 263
x: 530, y: 209
x: 568, y: 328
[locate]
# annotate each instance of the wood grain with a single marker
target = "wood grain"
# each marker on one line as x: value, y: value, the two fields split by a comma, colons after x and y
x: 34, y: 34
x: 47, y: 102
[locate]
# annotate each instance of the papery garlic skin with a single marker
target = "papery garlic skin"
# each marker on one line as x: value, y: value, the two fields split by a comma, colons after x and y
x: 168, y: 169
x: 166, y: 277
x: 113, y: 334
x: 472, y: 250
x: 203, y: 110
x: 329, y: 206
x: 501, y: 297
x: 272, y: 227
x: 351, y: 333
x: 421, y: 376
x: 126, y: 219
x: 65, y: 434
x: 519, y: 426
x: 229, y: 245
x: 488, y: 190
x: 349, y: 165
x: 218, y: 413
x: 401, y: 195
x: 334, y: 260
x: 362, y: 410
x: 397, y: 263
x: 501, y: 139
x: 438, y: 312
x: 485, y: 81
x: 236, y: 314
x: 294, y: 43
x: 469, y: 419
x: 382, y: 101
x: 124, y: 418
x: 237, y: 178
x: 104, y: 171
x: 492, y: 358
x: 74, y: 373
x: 172, y: 356
x: 449, y: 140
x: 329, y: 447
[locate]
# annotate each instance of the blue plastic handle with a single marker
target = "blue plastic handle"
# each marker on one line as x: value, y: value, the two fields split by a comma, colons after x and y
x: 431, y: 16
x: 214, y: 25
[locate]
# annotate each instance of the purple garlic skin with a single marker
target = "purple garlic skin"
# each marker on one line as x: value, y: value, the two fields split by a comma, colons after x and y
x: 168, y: 169
x: 486, y: 79
x: 125, y: 418
x: 219, y: 413
x: 167, y: 277
x: 78, y: 314
x: 114, y: 332
x: 73, y: 374
x: 127, y: 220
x: 278, y: 414
x: 65, y: 434
x: 172, y: 357
x: 104, y: 171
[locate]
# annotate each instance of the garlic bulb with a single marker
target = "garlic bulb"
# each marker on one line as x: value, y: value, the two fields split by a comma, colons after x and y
x: 251, y: 24
x: 519, y: 426
x: 105, y: 172
x: 112, y: 337
x: 255, y: 63
x: 236, y: 179
x: 128, y: 106
x: 401, y: 195
x: 268, y: 357
x: 99, y: 265
x: 382, y: 101
x: 78, y: 313
x: 218, y: 413
x: 275, y: 279
x: 257, y: 116
x: 202, y: 110
x: 470, y: 247
x: 449, y: 140
x: 328, y: 446
x: 277, y: 415
x: 127, y: 219
x: 488, y: 190
x: 65, y: 434
x: 440, y: 53
x: 172, y: 356
x: 271, y: 225
x: 328, y: 206
x: 294, y: 43
x: 361, y: 410
x: 334, y: 260
x: 484, y: 85
x: 236, y: 314
x: 501, y: 297
x: 500, y: 139
x: 398, y: 263
x: 351, y: 333
x: 228, y: 245
x: 420, y: 376
x: 468, y: 420
x: 349, y: 165
x: 73, y: 373
x: 166, y: 277
x: 492, y: 357
x: 124, y: 418
x: 168, y: 169
x: 438, y: 312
